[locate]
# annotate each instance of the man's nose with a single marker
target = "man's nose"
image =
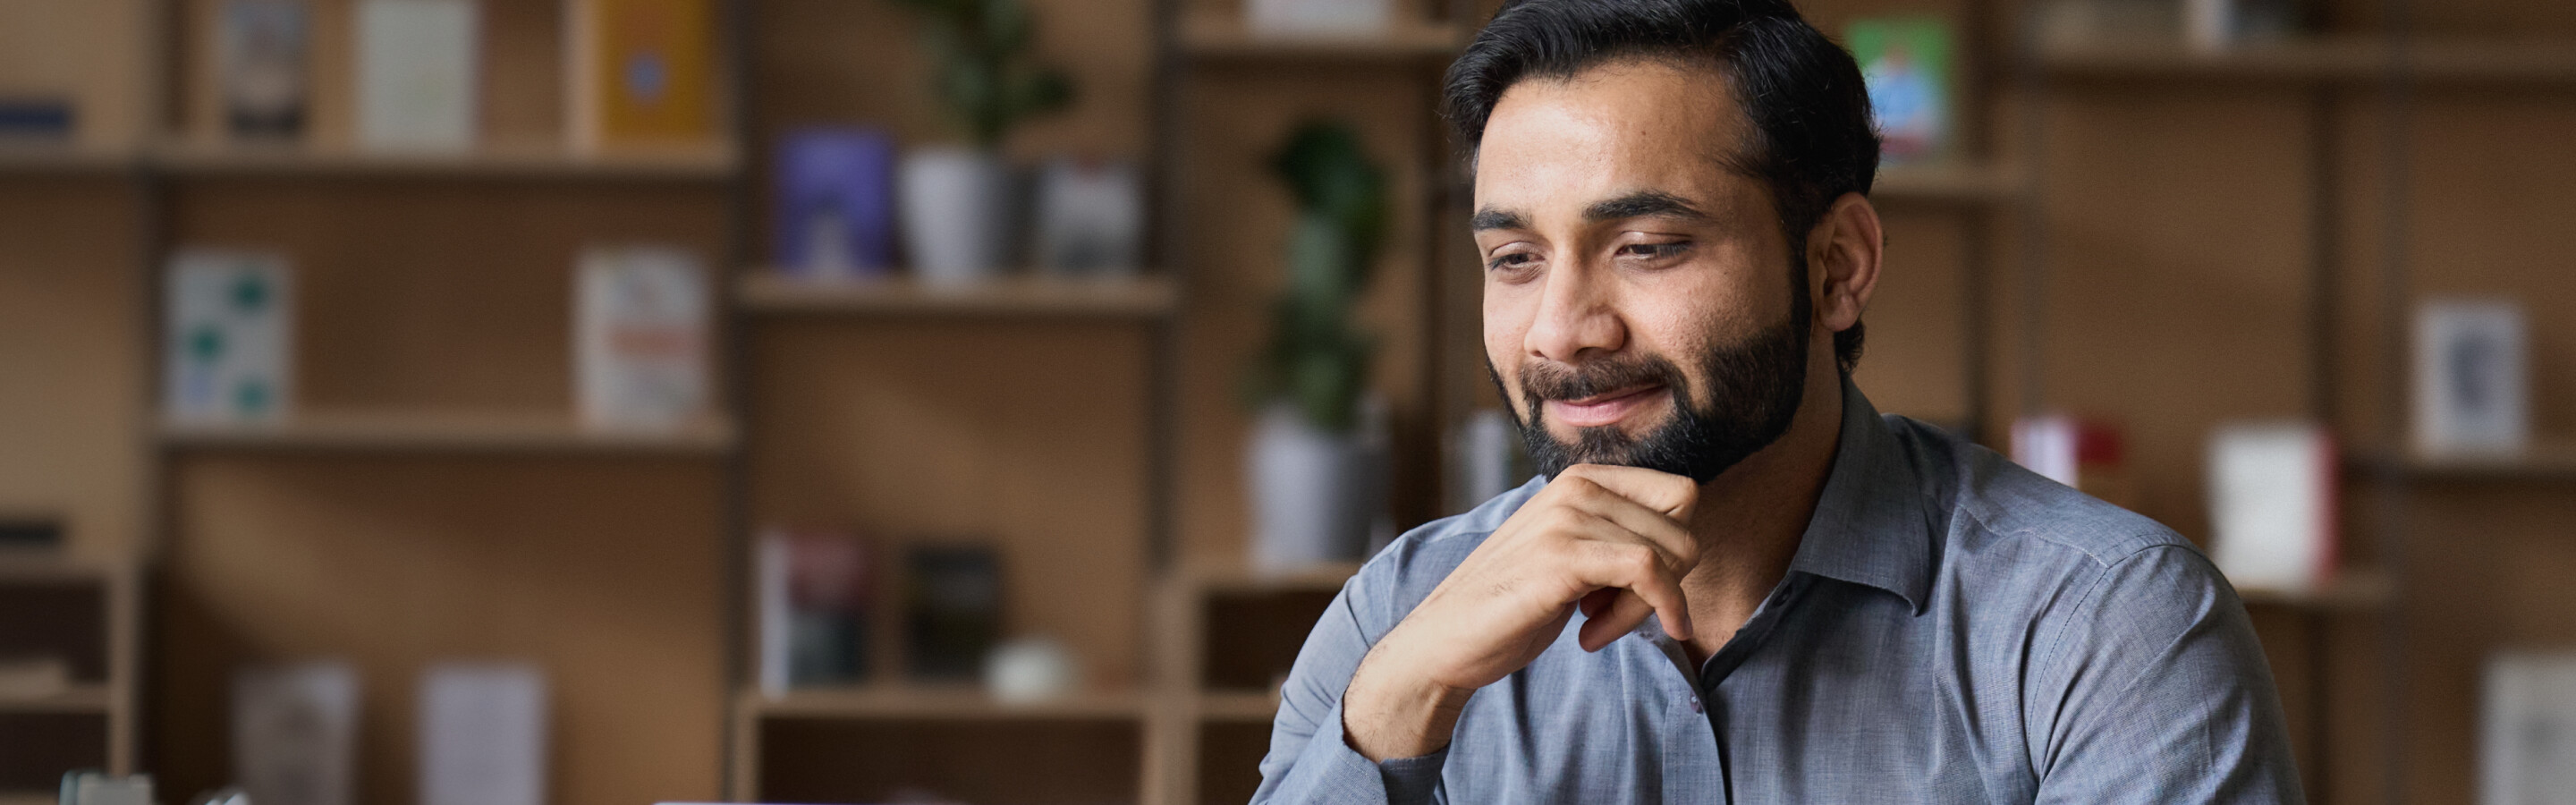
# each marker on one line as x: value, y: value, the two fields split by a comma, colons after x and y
x: 1576, y: 314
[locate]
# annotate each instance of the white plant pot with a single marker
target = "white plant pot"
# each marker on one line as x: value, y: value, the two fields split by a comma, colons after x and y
x: 1317, y: 496
x: 956, y: 208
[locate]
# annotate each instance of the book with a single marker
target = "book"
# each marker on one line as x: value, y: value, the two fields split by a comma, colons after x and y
x: 295, y: 733
x: 482, y: 734
x: 2219, y: 24
x: 228, y: 356
x: 835, y: 216
x: 2527, y: 732
x: 815, y: 591
x: 641, y: 325
x: 261, y: 47
x: 2087, y: 454
x: 2472, y: 377
x: 641, y: 73
x: 953, y: 610
x: 1907, y: 64
x: 416, y: 74
x: 2272, y: 504
x: 36, y: 119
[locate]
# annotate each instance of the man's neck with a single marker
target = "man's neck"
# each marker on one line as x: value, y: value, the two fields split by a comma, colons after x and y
x: 1750, y: 519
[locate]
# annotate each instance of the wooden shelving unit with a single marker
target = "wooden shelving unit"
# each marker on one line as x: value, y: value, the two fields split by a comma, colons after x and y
x: 2350, y: 590
x: 2540, y: 464
x: 492, y: 161
x: 447, y: 432
x: 92, y: 719
x: 2338, y: 59
x: 1215, y: 36
x: 769, y: 292
x: 896, y: 702
x: 2381, y: 125
x: 97, y: 698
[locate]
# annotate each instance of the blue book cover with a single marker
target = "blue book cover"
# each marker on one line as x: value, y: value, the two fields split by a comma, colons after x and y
x: 835, y: 210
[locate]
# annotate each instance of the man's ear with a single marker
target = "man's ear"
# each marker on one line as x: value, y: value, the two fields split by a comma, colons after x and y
x: 1843, y: 254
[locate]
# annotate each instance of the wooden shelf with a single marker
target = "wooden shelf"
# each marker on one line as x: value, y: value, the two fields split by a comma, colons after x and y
x: 1222, y: 36
x: 1238, y: 706
x: 65, y: 160
x: 427, y: 432
x: 2330, y: 58
x: 1238, y: 581
x: 1948, y: 183
x: 83, y: 698
x: 2540, y: 463
x: 886, y: 703
x: 714, y: 163
x: 768, y: 291
x: 2350, y: 590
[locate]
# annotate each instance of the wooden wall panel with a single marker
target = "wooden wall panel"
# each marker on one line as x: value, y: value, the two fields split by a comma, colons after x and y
x: 438, y: 293
x: 608, y: 573
x: 2176, y: 272
x: 1914, y: 359
x: 1027, y: 434
x: 73, y: 353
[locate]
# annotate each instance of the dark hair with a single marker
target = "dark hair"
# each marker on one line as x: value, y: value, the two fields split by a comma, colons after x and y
x: 1813, y: 138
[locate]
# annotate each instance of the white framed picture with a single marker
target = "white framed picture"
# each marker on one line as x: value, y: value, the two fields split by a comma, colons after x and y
x: 2472, y: 388
x: 2527, y: 733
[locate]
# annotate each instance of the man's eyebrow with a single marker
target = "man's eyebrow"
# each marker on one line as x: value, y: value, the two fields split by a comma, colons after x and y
x: 1642, y: 204
x: 1490, y: 218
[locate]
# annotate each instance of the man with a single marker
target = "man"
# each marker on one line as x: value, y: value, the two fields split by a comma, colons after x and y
x: 1735, y: 580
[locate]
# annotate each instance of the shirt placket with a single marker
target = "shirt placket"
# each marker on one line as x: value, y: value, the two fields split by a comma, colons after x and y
x: 1706, y: 705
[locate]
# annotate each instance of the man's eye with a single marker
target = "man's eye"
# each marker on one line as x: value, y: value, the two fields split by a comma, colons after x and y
x: 1504, y: 261
x: 1655, y: 250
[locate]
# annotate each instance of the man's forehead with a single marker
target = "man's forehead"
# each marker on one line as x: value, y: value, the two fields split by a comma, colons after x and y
x: 1610, y: 131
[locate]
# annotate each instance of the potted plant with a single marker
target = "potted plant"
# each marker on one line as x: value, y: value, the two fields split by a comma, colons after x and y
x: 1317, y: 461
x: 956, y: 200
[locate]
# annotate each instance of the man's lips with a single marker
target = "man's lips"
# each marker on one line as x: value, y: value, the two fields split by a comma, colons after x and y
x: 1603, y: 409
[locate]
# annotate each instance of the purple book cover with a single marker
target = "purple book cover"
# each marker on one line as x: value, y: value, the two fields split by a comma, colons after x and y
x: 836, y: 202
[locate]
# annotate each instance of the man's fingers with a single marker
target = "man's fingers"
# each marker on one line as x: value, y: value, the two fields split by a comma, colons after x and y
x: 1669, y: 535
x: 1640, y: 571
x: 1664, y: 492
x: 1625, y: 611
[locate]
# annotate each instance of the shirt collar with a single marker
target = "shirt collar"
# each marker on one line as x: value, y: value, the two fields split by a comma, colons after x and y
x: 1869, y: 526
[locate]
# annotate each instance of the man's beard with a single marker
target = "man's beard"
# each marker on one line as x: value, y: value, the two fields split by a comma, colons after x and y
x: 1756, y: 387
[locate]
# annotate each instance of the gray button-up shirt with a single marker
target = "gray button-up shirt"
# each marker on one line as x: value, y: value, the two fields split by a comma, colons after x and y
x: 1953, y: 628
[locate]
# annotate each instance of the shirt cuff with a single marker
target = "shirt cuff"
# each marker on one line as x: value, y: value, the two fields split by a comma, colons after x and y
x: 1348, y: 776
x: 1412, y: 779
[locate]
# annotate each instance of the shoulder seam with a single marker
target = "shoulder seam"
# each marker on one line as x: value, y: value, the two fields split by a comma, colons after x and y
x: 2102, y: 575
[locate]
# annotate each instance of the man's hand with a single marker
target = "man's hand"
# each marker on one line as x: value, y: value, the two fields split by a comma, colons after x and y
x: 1610, y: 540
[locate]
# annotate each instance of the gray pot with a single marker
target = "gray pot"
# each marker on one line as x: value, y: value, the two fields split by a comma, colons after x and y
x: 1317, y: 496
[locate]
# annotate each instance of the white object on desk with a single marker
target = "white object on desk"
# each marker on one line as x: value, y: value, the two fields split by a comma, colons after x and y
x: 482, y: 734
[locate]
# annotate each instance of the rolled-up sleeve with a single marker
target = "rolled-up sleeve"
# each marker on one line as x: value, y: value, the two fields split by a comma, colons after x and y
x: 2157, y: 691
x: 1309, y: 761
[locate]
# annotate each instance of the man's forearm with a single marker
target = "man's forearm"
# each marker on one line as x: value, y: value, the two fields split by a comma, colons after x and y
x: 1388, y: 713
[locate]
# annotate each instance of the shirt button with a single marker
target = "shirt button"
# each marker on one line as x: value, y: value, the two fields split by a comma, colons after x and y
x: 1696, y: 707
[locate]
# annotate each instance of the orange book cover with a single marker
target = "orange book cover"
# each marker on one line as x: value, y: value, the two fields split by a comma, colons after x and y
x: 642, y: 74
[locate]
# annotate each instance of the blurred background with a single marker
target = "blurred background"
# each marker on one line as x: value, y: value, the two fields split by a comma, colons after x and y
x: 598, y: 402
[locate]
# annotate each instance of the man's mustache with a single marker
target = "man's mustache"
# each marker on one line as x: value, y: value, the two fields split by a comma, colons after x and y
x: 1549, y: 380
